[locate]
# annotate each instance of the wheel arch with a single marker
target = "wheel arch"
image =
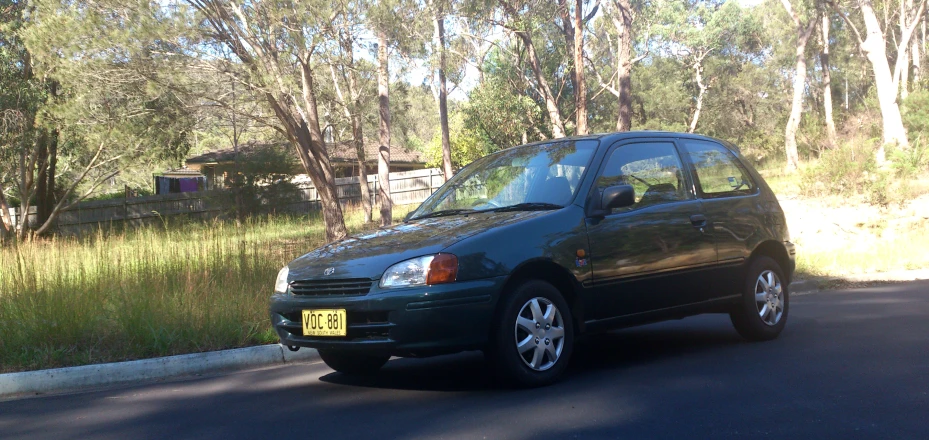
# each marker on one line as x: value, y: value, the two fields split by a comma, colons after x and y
x: 777, y: 252
x: 544, y: 269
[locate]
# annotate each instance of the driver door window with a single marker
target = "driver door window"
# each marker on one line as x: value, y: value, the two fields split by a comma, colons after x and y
x: 653, y: 169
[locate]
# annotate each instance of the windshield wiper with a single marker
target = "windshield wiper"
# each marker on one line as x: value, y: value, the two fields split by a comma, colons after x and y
x: 444, y: 212
x: 529, y: 206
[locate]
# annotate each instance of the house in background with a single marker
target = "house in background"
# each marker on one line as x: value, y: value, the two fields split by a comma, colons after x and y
x: 178, y: 181
x: 216, y: 165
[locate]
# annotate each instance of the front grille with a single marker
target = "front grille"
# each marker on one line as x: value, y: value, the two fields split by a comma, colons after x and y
x: 345, y: 287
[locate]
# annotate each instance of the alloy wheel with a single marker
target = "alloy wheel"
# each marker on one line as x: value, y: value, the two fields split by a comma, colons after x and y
x: 540, y: 334
x: 769, y: 297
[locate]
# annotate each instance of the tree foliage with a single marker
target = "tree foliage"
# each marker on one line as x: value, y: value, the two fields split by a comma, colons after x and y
x: 97, y: 95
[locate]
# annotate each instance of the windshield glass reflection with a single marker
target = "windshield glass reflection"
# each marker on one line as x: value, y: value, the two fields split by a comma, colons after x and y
x: 540, y: 176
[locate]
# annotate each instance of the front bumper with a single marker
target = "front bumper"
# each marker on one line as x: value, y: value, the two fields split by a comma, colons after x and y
x: 418, y: 321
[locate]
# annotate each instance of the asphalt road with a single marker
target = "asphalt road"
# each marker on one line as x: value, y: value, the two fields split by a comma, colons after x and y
x: 851, y: 364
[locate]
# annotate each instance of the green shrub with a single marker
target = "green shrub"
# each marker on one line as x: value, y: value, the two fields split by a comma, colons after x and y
x: 261, y: 183
x: 915, y: 113
x: 846, y: 170
x: 911, y: 162
x: 851, y: 170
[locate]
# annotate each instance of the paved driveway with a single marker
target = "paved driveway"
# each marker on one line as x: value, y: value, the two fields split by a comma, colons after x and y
x: 851, y: 364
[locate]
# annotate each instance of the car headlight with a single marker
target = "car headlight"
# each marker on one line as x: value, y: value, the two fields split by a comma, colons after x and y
x: 280, y: 285
x: 419, y: 271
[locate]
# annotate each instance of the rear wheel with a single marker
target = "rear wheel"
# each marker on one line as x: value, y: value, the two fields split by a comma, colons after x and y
x: 762, y: 312
x: 534, y: 335
x: 353, y: 363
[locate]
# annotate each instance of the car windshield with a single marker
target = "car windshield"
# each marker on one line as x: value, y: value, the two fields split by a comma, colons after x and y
x: 539, y: 176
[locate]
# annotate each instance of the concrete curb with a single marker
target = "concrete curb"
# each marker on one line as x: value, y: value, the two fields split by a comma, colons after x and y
x: 816, y: 284
x: 72, y: 378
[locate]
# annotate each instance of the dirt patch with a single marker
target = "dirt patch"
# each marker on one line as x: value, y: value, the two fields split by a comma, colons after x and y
x: 841, y: 236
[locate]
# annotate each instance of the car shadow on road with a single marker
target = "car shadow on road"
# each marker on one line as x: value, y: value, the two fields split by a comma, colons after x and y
x: 611, y: 352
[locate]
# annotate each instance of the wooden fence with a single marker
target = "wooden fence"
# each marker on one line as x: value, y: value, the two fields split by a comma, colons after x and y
x: 407, y: 187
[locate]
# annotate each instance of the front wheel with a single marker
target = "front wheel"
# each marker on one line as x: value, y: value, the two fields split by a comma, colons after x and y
x: 762, y: 311
x: 534, y: 335
x: 352, y: 363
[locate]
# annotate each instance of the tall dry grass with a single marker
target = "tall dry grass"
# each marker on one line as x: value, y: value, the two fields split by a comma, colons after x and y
x: 147, y: 292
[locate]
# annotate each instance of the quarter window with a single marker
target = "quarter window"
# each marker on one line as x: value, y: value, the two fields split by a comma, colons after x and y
x: 718, y: 172
x: 653, y: 169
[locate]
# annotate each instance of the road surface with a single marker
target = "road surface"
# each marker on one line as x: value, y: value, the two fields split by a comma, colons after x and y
x: 850, y: 364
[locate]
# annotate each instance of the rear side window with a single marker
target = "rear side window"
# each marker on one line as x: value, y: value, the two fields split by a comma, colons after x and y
x: 653, y: 169
x: 719, y: 173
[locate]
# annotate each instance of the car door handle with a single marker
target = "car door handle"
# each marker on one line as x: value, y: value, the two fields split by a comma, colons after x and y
x: 698, y: 220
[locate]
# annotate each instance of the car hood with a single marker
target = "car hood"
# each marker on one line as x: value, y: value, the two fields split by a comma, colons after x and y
x: 369, y: 255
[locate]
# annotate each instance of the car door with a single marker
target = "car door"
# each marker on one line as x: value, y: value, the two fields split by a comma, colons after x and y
x: 731, y: 203
x: 650, y: 255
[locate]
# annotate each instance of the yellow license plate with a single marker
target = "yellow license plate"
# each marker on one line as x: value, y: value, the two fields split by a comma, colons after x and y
x: 326, y: 322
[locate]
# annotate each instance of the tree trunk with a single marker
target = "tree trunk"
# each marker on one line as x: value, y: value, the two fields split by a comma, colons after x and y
x: 907, y: 29
x: 827, y: 85
x: 698, y: 77
x: 7, y: 228
x: 358, y: 142
x: 623, y: 25
x: 353, y: 109
x: 443, y: 95
x: 319, y: 168
x: 383, y: 157
x: 554, y: 113
x: 581, y: 87
x: 917, y: 58
x: 903, y: 56
x: 50, y: 195
x: 306, y: 138
x: 874, y: 47
x: 796, y: 107
x: 27, y: 165
x: 41, y: 189
x: 568, y: 32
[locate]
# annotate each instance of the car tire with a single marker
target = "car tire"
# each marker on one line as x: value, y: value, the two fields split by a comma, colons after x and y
x: 353, y: 363
x: 762, y: 311
x: 533, y: 337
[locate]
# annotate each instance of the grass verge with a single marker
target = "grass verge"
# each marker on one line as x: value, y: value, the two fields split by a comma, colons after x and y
x: 887, y: 249
x: 147, y: 292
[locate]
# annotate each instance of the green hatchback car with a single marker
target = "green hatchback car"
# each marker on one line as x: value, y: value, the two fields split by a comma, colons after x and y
x: 527, y: 249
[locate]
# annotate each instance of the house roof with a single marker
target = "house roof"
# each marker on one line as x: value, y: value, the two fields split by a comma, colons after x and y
x: 340, y: 152
x: 181, y: 172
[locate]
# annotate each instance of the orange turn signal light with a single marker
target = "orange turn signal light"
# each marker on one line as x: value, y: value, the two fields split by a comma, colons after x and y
x: 443, y: 269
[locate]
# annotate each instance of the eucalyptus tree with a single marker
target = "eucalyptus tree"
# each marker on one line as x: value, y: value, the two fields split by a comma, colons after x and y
x: 694, y: 30
x: 279, y: 43
x: 874, y: 45
x: 909, y: 16
x: 623, y: 23
x: 346, y: 30
x: 439, y: 10
x: 804, y: 27
x: 826, y: 24
x: 395, y: 25
x: 521, y: 18
x: 573, y: 24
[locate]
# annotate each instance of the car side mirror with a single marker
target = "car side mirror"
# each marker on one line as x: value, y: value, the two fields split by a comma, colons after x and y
x: 603, y: 201
x: 618, y: 196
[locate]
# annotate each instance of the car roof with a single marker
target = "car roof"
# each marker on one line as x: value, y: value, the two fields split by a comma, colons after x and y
x: 618, y: 136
